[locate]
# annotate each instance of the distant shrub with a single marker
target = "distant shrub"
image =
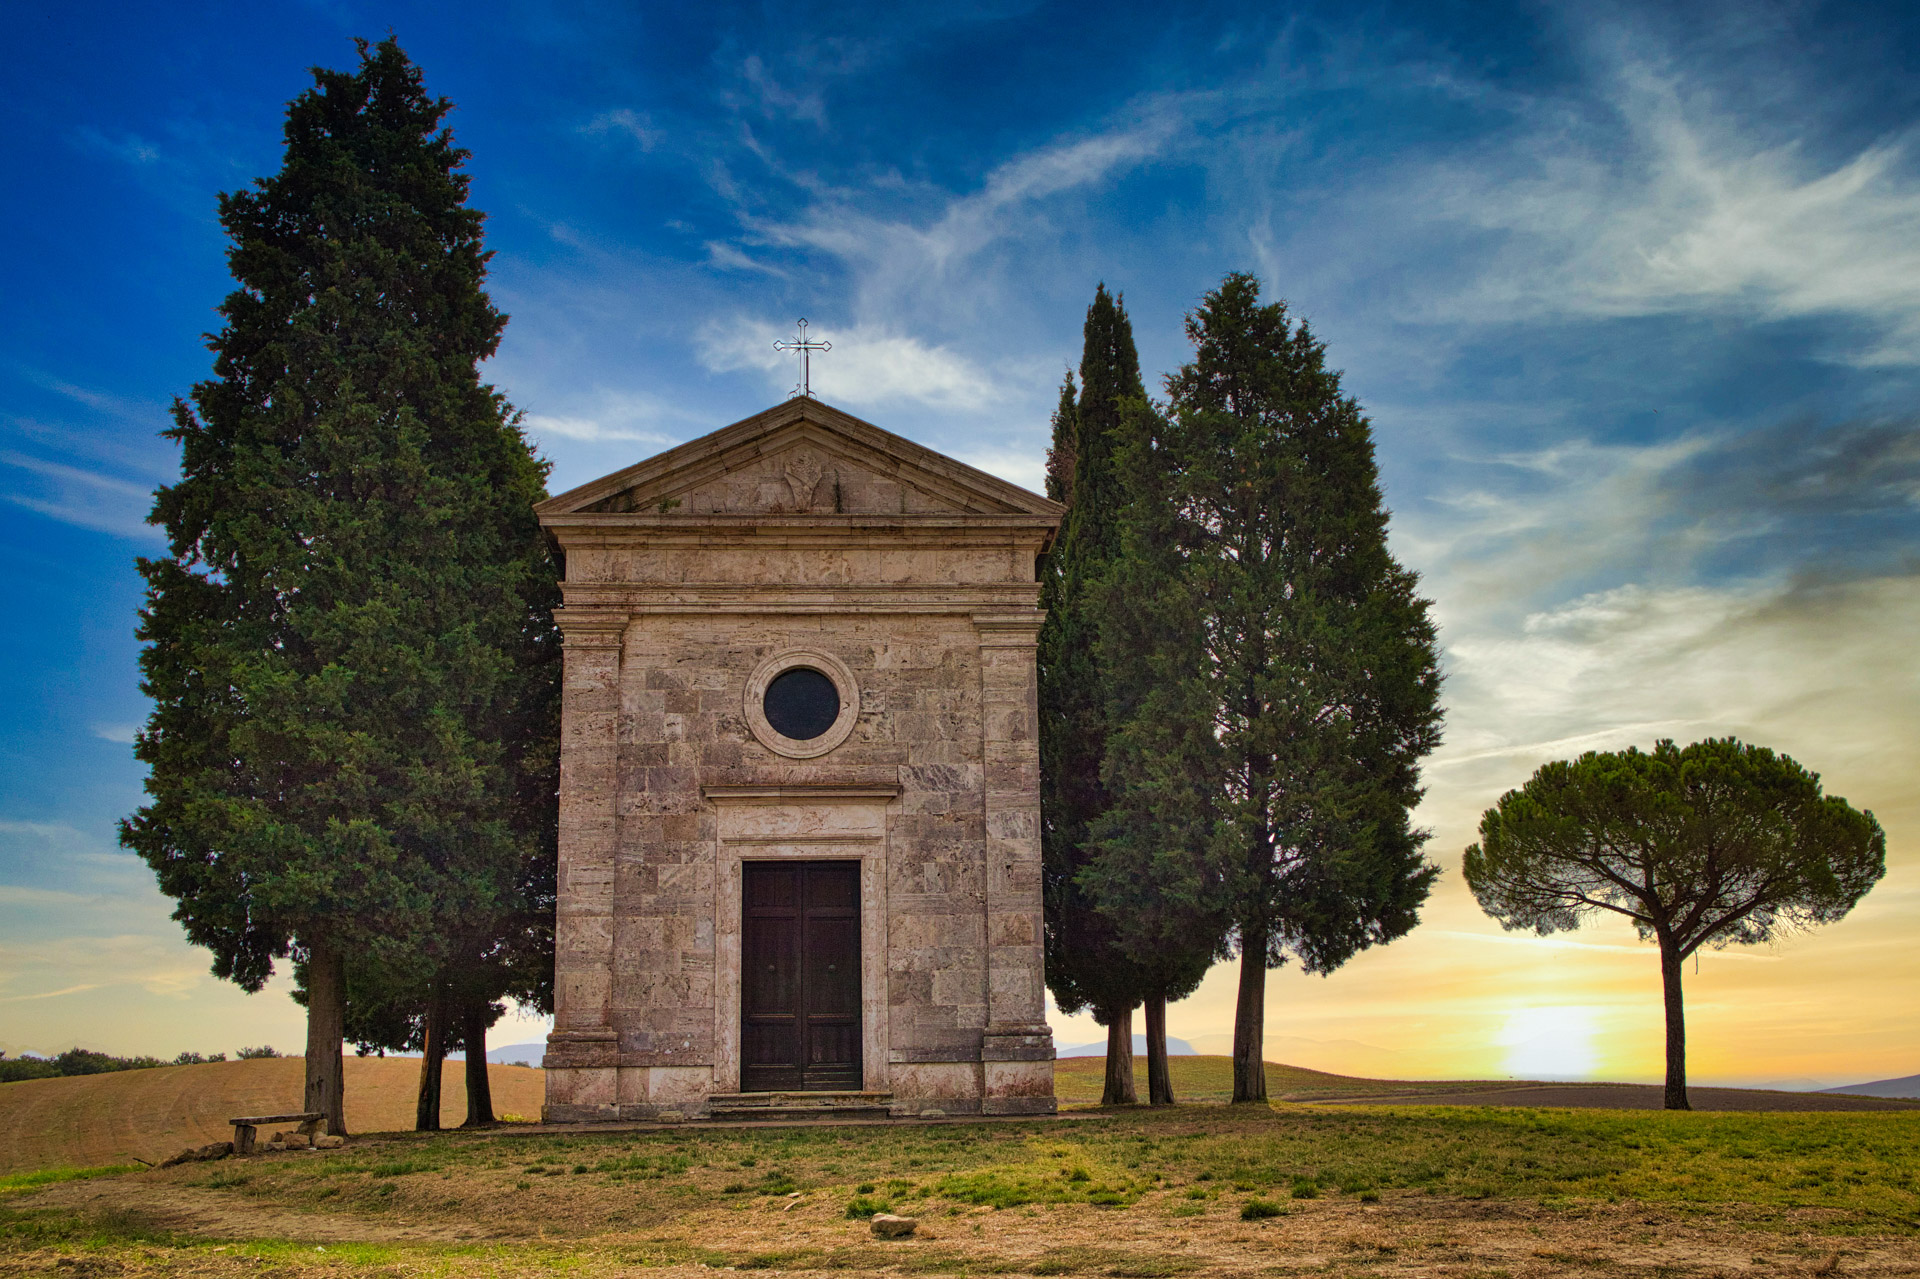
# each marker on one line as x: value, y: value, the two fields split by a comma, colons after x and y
x: 1306, y: 1188
x: 79, y: 1061
x: 255, y: 1054
x: 197, y: 1059
x: 1260, y: 1210
x: 26, y: 1068
x: 74, y: 1061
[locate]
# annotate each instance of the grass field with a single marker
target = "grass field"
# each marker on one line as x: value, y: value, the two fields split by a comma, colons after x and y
x: 1477, y: 1193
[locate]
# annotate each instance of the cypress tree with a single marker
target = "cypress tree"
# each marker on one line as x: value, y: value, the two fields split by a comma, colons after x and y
x: 1062, y: 453
x: 349, y: 644
x: 1297, y: 688
x: 1149, y: 874
x: 1088, y: 965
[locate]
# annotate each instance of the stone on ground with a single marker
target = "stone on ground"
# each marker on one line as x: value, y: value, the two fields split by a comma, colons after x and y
x: 888, y: 1226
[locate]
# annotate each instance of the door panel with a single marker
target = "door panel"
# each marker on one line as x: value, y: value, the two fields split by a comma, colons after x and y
x: 800, y: 976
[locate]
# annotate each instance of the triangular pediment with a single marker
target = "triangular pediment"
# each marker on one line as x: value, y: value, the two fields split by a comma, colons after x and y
x: 800, y: 458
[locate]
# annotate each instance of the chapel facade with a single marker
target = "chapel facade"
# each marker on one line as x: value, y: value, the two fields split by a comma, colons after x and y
x: 799, y: 780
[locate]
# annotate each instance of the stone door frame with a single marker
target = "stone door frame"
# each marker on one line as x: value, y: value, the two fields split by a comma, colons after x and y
x: 800, y: 823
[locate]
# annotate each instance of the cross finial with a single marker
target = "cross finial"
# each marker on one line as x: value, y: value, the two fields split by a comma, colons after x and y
x: 806, y: 349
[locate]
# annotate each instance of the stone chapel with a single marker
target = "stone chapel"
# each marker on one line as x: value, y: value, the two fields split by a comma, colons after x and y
x: 799, y: 781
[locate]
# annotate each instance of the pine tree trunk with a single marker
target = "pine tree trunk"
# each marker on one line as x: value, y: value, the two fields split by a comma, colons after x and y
x: 326, y: 1026
x: 1159, y: 1082
x: 433, y: 1057
x: 1119, y: 1088
x: 473, y: 1033
x: 1250, y: 1018
x: 1671, y: 963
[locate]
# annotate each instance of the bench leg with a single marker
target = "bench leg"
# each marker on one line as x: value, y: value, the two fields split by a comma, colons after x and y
x: 243, y: 1139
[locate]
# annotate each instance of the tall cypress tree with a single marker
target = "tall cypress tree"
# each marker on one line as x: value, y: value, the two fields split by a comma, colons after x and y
x: 1088, y: 965
x: 1149, y: 872
x: 1298, y: 696
x: 349, y: 646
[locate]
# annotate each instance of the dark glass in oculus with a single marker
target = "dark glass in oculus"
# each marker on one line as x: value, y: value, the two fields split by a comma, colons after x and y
x: 802, y: 703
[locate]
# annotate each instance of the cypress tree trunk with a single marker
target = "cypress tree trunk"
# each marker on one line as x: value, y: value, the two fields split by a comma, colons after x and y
x: 1250, y: 1017
x: 1159, y: 1083
x: 426, y: 1111
x: 1119, y: 1089
x: 326, y: 1023
x: 1671, y: 962
x: 473, y: 1033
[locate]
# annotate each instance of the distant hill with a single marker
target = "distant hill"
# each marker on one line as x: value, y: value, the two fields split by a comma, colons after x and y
x: 517, y: 1055
x: 1175, y: 1048
x: 1908, y: 1086
x: 88, y: 1120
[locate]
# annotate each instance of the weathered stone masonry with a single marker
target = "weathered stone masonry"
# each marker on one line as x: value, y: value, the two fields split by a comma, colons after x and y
x: 801, y: 536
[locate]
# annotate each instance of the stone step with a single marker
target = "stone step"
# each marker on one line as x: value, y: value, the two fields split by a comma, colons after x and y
x: 800, y: 1105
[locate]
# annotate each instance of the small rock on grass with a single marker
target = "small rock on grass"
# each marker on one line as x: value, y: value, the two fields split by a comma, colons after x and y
x: 327, y: 1141
x: 888, y: 1226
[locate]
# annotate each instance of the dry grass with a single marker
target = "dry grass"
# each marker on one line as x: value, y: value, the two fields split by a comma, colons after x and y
x: 1078, y: 1081
x: 151, y: 1114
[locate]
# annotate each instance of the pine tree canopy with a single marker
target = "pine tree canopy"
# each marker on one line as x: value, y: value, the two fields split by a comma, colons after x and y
x: 349, y: 646
x: 1711, y: 844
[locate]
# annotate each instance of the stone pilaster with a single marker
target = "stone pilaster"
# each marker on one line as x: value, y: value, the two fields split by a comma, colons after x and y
x: 1017, y: 1048
x: 583, y: 1051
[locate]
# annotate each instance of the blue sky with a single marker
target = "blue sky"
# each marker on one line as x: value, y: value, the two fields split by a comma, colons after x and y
x: 1633, y: 298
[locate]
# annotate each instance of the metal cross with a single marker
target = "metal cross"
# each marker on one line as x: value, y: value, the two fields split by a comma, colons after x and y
x: 806, y: 349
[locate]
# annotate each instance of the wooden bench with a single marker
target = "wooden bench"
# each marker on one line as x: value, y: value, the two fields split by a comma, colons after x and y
x: 244, y: 1129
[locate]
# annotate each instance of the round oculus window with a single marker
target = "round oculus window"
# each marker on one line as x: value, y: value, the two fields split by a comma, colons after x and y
x: 801, y: 703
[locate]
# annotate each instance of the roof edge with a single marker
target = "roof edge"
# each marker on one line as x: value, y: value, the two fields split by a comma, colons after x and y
x: 857, y: 430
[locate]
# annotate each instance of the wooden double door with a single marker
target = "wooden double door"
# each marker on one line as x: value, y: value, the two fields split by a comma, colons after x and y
x: 800, y: 976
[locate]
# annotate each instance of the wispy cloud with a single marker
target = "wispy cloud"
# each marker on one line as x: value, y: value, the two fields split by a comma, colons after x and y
x: 775, y: 99
x: 88, y: 499
x: 636, y: 126
x: 896, y: 263
x: 1666, y: 203
x: 868, y: 368
x: 609, y: 417
x: 50, y: 994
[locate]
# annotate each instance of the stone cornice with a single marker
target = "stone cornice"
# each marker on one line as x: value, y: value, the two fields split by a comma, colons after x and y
x: 796, y: 791
x: 590, y: 628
